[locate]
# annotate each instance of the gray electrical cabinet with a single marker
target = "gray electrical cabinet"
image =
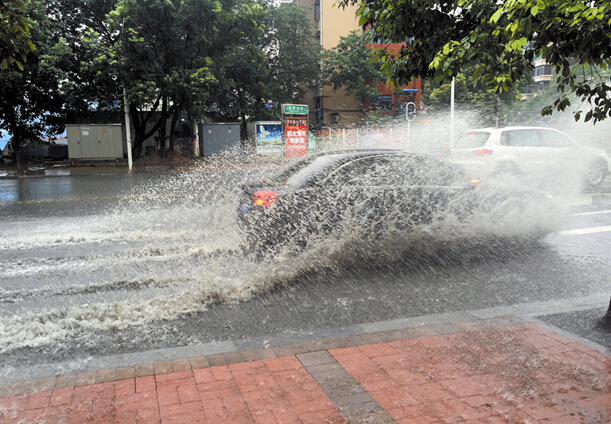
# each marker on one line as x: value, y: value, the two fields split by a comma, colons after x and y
x: 95, y: 141
x: 220, y: 138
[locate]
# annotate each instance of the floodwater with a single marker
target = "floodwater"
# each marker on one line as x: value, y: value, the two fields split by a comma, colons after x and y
x: 167, y: 248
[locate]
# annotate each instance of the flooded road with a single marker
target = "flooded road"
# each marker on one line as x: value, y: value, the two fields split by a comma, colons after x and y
x: 101, y: 265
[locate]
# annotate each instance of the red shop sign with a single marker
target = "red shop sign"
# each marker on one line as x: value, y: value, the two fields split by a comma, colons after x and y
x: 296, y: 137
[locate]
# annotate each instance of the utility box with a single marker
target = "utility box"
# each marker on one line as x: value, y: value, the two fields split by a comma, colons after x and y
x: 95, y: 141
x: 220, y: 138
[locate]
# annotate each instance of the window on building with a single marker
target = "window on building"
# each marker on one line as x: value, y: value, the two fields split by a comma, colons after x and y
x: 543, y: 70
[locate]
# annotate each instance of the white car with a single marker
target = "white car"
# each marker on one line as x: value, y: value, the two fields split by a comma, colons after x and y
x: 529, y: 151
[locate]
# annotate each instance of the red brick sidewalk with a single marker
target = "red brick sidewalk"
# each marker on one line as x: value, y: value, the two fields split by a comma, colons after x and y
x: 516, y: 374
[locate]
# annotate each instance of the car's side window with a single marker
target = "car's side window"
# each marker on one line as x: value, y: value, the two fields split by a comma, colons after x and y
x: 421, y: 171
x: 399, y: 171
x: 520, y: 138
x: 555, y: 139
x: 472, y: 140
x: 348, y: 174
x: 371, y: 171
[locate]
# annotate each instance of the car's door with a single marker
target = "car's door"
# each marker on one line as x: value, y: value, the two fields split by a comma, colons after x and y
x: 523, y: 147
x: 559, y: 151
x: 435, y: 189
x: 361, y: 192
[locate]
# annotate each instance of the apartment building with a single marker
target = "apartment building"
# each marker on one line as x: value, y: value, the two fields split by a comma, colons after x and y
x: 331, y: 108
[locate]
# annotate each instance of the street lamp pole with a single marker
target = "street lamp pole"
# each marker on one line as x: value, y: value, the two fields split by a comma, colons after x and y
x: 127, y: 118
x: 452, y: 115
x: 128, y: 132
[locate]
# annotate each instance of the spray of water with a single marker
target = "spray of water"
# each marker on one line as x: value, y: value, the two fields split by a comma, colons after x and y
x: 173, y: 248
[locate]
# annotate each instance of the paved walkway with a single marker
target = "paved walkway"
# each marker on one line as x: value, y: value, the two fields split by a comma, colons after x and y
x: 502, y: 370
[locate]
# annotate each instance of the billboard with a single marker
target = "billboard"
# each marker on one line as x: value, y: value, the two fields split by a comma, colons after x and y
x: 296, y: 135
x: 268, y: 135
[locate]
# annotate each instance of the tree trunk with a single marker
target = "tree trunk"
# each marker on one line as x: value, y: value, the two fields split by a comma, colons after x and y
x: 243, y: 124
x: 138, y: 136
x: 605, y: 321
x: 137, y: 146
x: 172, y: 130
x: 163, y: 127
x: 259, y: 109
x: 140, y: 121
x: 18, y: 157
x: 16, y: 141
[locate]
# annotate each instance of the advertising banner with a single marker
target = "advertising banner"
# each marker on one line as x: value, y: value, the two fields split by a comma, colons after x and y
x: 269, y: 134
x: 296, y: 132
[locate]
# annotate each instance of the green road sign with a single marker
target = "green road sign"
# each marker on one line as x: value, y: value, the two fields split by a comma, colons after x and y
x: 295, y: 109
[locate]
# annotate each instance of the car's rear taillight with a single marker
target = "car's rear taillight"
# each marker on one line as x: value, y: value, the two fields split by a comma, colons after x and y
x: 483, y: 152
x: 265, y: 198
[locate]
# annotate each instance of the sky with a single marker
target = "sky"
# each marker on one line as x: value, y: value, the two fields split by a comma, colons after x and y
x: 4, y: 138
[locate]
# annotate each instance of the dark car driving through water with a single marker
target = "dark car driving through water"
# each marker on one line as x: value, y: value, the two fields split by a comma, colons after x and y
x: 377, y: 193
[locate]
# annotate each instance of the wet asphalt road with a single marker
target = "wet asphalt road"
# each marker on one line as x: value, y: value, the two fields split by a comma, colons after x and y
x: 42, y: 274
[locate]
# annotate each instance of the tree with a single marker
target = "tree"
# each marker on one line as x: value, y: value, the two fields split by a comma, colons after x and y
x: 55, y: 84
x: 353, y: 66
x: 499, y: 39
x: 244, y: 67
x: 161, y: 58
x: 292, y: 52
x: 15, y: 42
x: 527, y: 112
x: 89, y: 84
x: 31, y: 100
x: 273, y: 58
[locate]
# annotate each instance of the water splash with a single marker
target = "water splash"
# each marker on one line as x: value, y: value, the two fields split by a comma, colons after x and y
x: 172, y: 248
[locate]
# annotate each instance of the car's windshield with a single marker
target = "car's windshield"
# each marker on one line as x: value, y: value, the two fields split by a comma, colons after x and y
x: 398, y: 170
x: 303, y: 171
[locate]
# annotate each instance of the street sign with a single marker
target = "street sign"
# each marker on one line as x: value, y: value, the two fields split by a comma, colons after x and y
x: 295, y: 109
x: 410, y: 111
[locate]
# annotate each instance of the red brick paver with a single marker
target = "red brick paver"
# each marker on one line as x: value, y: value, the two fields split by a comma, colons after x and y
x: 277, y: 390
x: 513, y: 374
x: 520, y: 374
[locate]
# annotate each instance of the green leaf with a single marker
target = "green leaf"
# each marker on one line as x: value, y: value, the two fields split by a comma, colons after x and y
x: 534, y: 10
x: 496, y: 16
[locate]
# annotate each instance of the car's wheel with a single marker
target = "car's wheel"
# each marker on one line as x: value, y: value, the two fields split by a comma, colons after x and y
x: 595, y: 175
x: 506, y: 210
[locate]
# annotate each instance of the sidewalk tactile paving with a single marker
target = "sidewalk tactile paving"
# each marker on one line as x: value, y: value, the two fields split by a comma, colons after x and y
x: 513, y: 374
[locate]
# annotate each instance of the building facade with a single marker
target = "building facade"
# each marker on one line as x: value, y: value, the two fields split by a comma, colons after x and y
x: 333, y: 109
x: 542, y: 75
